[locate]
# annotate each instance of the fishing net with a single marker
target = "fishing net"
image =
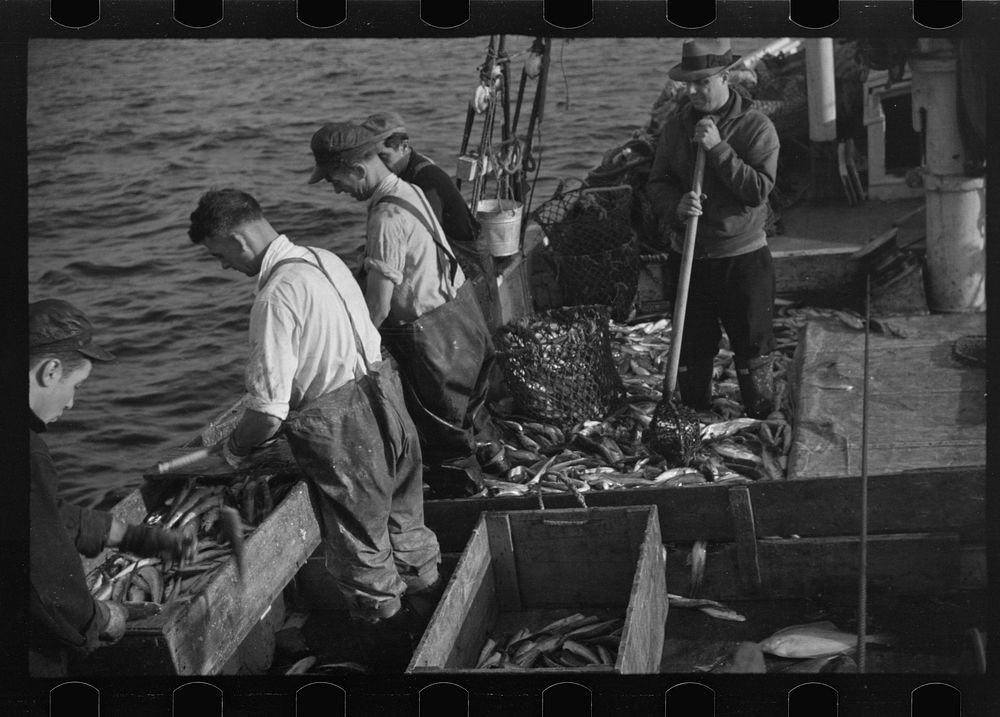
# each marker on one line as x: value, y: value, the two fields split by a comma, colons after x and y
x: 609, y: 277
x: 674, y: 432
x: 558, y: 365
x: 592, y: 246
x: 629, y: 164
x: 586, y: 220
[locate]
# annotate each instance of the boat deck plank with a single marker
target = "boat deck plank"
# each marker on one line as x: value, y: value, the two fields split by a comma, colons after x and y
x: 926, y: 409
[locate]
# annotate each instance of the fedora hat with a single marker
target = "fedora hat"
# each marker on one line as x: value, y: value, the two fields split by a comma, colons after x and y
x: 703, y: 57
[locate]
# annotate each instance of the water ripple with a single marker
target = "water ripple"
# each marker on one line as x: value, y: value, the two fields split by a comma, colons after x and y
x: 124, y: 136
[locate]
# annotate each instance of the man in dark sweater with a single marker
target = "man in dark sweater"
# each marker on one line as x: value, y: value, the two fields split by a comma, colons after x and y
x: 65, y: 618
x: 732, y: 278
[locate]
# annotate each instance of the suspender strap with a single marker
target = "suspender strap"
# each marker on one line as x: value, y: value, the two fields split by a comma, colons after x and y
x: 358, y: 343
x: 435, y: 235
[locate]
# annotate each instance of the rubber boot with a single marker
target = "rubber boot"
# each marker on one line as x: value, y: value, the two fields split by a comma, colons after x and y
x: 385, y: 646
x: 422, y: 603
x: 694, y: 381
x: 455, y: 479
x: 756, y: 381
x: 492, y: 458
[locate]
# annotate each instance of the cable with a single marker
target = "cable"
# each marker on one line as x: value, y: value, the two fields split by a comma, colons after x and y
x: 562, y: 66
x: 863, y: 538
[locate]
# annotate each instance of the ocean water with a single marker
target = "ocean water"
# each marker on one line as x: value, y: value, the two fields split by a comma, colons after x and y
x: 125, y: 135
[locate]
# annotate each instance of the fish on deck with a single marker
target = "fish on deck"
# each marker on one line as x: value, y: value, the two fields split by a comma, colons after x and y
x: 814, y: 639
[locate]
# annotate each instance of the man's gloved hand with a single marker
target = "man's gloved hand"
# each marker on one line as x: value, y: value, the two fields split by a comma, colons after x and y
x: 228, y: 451
x: 153, y: 541
x: 113, y: 631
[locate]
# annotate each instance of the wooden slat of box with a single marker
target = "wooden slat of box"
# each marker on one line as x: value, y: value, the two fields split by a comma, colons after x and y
x: 941, y: 500
x: 905, y: 564
x: 530, y: 567
x: 198, y: 636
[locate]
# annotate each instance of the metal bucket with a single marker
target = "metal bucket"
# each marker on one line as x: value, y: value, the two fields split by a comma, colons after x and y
x: 500, y: 225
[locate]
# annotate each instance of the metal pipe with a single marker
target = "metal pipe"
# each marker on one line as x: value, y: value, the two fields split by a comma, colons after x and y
x: 821, y: 89
x: 863, y: 536
x: 956, y: 203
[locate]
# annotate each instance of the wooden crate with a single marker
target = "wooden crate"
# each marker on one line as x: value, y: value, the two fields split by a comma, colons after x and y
x: 200, y: 636
x: 527, y: 568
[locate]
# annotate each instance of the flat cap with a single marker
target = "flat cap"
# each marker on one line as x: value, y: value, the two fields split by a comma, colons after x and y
x: 57, y: 325
x: 337, y: 144
x: 384, y: 123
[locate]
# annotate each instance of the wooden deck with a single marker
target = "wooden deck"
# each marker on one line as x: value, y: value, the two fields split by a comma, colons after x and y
x: 926, y: 409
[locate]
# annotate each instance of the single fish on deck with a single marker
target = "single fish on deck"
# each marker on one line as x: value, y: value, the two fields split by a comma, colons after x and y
x: 814, y: 639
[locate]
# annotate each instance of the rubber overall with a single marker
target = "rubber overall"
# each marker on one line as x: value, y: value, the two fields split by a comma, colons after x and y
x: 445, y: 358
x: 360, y: 449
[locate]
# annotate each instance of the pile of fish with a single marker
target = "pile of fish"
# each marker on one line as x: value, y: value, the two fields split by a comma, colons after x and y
x: 570, y: 642
x: 609, y: 454
x: 218, y: 516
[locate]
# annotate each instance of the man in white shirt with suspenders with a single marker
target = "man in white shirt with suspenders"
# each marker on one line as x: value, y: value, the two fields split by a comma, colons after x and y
x: 315, y: 372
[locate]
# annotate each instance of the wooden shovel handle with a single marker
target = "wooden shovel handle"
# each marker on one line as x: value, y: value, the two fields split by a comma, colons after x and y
x: 684, y: 280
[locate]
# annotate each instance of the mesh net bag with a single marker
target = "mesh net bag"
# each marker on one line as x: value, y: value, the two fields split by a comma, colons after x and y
x: 629, y: 164
x: 558, y: 365
x: 609, y: 277
x: 674, y: 432
x: 587, y: 221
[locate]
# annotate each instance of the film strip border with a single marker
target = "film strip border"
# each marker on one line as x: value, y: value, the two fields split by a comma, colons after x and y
x: 558, y: 14
x: 326, y: 699
x: 915, y: 695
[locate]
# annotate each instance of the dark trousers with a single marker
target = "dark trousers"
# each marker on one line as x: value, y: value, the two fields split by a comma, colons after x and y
x: 360, y: 449
x: 736, y: 294
x: 445, y: 358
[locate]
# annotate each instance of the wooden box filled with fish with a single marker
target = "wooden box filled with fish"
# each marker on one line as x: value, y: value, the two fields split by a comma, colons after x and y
x: 553, y: 591
x: 191, y: 619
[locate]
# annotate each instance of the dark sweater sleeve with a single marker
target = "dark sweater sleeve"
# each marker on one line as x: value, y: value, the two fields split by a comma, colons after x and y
x: 61, y: 606
x: 751, y: 171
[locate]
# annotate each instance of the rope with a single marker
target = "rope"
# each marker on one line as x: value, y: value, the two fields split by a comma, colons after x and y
x: 534, y: 183
x: 863, y: 538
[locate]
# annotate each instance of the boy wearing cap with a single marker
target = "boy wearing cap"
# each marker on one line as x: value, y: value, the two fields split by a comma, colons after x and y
x: 732, y: 278
x: 64, y: 617
x: 417, y: 295
x: 315, y: 372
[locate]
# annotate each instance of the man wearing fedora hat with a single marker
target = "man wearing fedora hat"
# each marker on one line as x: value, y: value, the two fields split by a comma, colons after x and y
x: 419, y: 298
x: 732, y: 278
x: 65, y: 619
